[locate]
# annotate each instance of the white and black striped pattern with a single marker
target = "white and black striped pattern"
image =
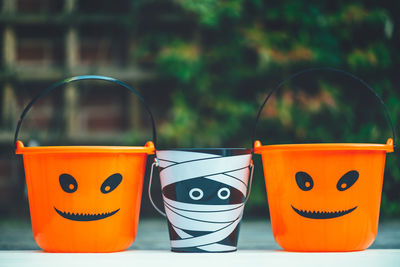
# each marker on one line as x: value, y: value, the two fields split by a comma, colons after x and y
x: 206, y: 221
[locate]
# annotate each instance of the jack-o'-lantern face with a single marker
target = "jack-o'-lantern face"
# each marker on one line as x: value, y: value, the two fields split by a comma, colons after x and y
x: 306, y: 183
x: 69, y: 185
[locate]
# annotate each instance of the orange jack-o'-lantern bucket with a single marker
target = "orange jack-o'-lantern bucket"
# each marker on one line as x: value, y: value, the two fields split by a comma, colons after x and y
x: 324, y: 197
x: 84, y: 198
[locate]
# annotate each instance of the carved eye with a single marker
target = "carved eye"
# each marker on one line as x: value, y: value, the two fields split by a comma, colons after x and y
x: 68, y: 183
x: 304, y: 181
x: 196, y: 193
x: 347, y: 180
x: 111, y: 183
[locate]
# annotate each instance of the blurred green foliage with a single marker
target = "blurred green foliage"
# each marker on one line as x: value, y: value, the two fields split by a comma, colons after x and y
x: 218, y: 60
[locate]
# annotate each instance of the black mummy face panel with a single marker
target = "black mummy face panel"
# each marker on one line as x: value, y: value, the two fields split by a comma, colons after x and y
x: 203, y: 191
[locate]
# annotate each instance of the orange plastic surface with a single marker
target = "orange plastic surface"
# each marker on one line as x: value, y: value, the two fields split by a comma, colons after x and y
x: 91, y: 215
x: 388, y: 147
x: 328, y: 219
x: 148, y: 149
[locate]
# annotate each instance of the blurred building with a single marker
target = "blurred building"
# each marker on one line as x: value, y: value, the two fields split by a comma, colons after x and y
x: 43, y: 41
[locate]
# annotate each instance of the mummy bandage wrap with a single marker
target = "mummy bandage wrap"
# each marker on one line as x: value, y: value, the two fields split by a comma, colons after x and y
x: 204, y: 196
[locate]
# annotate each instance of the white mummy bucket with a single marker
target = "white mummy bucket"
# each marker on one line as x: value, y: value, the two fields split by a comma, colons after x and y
x: 204, y: 193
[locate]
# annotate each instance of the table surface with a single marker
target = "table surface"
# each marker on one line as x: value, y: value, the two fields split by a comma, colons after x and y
x: 151, y: 248
x: 148, y: 258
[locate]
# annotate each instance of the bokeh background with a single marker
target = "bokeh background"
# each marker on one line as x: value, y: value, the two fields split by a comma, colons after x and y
x: 204, y: 67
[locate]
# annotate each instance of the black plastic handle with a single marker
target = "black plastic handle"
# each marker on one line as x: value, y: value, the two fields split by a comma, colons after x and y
x: 387, y: 113
x: 81, y: 78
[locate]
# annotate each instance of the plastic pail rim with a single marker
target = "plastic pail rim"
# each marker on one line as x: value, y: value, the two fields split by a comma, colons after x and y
x: 388, y: 147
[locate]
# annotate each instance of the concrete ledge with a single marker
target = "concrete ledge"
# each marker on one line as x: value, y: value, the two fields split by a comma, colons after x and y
x: 162, y: 258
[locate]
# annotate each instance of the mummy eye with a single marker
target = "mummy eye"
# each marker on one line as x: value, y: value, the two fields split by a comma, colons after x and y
x: 347, y: 180
x: 224, y: 193
x: 196, y: 193
x: 304, y: 181
x: 68, y: 183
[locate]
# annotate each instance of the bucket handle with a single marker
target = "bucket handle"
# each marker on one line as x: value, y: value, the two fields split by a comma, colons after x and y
x: 156, y: 163
x: 348, y: 74
x: 80, y: 78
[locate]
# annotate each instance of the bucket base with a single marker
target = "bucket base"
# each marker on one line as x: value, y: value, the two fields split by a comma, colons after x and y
x: 196, y: 250
x: 323, y: 251
x: 73, y: 251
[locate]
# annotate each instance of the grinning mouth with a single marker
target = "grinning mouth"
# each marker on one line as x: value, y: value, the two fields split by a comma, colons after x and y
x: 322, y: 214
x: 85, y: 217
